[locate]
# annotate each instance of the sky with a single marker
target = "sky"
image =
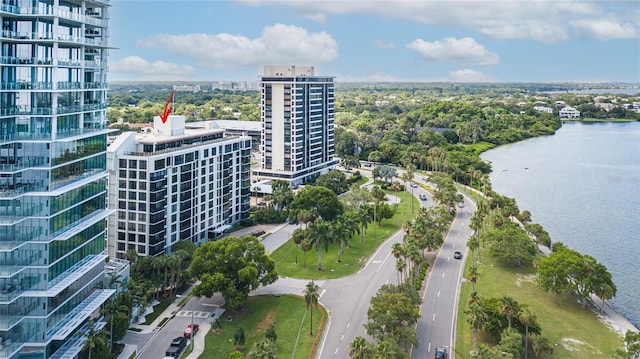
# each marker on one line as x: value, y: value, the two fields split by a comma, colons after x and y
x: 377, y: 40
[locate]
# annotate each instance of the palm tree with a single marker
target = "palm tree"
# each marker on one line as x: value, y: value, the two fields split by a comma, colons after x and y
x: 401, y: 264
x: 378, y: 195
x: 395, y: 187
x: 265, y: 349
x: 474, y: 245
x: 364, y: 217
x: 311, y: 297
x: 319, y: 237
x: 297, y: 236
x: 508, y: 307
x: 528, y: 319
x: 472, y: 276
x: 339, y: 233
x: 475, y: 316
x: 483, y: 352
x: 350, y: 221
x: 359, y: 348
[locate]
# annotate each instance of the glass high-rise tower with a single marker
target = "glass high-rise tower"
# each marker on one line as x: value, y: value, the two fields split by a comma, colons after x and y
x: 53, y: 174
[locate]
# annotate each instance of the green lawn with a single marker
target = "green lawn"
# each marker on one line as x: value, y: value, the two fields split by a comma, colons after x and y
x: 575, y: 331
x: 352, y: 259
x: 286, y: 312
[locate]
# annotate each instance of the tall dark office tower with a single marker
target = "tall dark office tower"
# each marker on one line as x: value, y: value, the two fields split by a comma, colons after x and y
x: 297, y: 124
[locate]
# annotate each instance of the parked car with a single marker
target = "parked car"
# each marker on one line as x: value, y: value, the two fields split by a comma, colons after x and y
x: 441, y: 353
x: 177, y: 344
x: 457, y: 255
x: 414, y: 185
x: 192, y: 329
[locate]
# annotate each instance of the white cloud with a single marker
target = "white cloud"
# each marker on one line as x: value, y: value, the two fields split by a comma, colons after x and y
x: 464, y: 51
x: 383, y: 44
x: 139, y: 69
x: 545, y: 20
x: 468, y: 75
x: 278, y: 44
x: 606, y: 30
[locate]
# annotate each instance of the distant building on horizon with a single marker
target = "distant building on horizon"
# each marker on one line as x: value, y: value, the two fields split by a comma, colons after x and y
x: 176, y: 182
x: 569, y: 112
x: 297, y: 112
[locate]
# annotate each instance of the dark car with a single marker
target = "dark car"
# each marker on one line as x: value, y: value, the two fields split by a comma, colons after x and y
x: 457, y: 255
x: 177, y: 344
x: 441, y: 353
x: 423, y: 197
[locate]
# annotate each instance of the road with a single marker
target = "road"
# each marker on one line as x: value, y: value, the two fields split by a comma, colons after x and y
x: 347, y: 299
x: 436, y: 326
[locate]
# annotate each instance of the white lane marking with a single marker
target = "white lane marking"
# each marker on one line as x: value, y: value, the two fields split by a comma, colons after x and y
x: 342, y: 337
x: 324, y: 339
x: 438, y: 294
x: 442, y: 274
x: 453, y: 245
x: 381, y: 264
x: 348, y: 324
x: 336, y: 352
x: 321, y: 293
x: 434, y: 317
x: 448, y: 259
x: 429, y: 348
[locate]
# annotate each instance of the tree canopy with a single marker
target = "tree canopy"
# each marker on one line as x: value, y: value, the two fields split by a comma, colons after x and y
x: 233, y: 266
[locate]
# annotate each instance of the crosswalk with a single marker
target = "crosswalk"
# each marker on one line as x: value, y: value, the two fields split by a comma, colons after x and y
x: 196, y: 314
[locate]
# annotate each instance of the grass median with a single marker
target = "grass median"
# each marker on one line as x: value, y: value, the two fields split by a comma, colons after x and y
x: 286, y: 313
x: 352, y: 259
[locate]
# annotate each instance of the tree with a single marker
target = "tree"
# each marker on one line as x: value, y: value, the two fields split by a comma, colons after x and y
x: 511, y: 343
x: 319, y: 200
x: 360, y: 348
x: 508, y: 307
x: 338, y: 231
x: 632, y: 343
x: 541, y: 347
x: 528, y: 319
x: 387, y: 173
x: 395, y: 187
x: 311, y: 297
x: 264, y: 349
x: 95, y: 346
x: 475, y: 317
x: 392, y: 315
x: 236, y: 355
x: 319, y: 236
x: 378, y: 194
x: 239, y: 337
x: 297, y: 236
x: 472, y: 276
x: 271, y: 334
x: 233, y: 266
x: 334, y: 180
x: 566, y: 270
x: 511, y: 246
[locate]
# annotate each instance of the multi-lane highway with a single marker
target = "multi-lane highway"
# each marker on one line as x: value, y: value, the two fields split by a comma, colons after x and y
x: 436, y: 326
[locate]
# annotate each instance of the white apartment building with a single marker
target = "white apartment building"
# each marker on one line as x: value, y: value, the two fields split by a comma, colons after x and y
x: 569, y: 112
x: 177, y: 182
x: 53, y: 176
x: 297, y: 124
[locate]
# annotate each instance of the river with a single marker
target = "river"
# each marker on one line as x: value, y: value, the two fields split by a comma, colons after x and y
x: 583, y: 186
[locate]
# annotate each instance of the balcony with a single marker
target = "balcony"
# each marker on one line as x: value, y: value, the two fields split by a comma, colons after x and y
x: 69, y: 276
x: 74, y: 344
x: 79, y: 314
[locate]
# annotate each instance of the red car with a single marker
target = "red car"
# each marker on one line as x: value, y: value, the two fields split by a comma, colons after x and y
x: 191, y: 328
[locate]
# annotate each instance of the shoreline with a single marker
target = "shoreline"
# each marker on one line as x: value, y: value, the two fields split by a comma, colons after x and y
x: 622, y: 323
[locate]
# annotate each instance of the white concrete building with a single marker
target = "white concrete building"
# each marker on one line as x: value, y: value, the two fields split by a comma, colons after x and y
x: 178, y: 182
x: 569, y: 112
x: 297, y: 124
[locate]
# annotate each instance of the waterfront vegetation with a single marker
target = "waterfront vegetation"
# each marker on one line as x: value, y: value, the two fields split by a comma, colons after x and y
x: 575, y: 331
